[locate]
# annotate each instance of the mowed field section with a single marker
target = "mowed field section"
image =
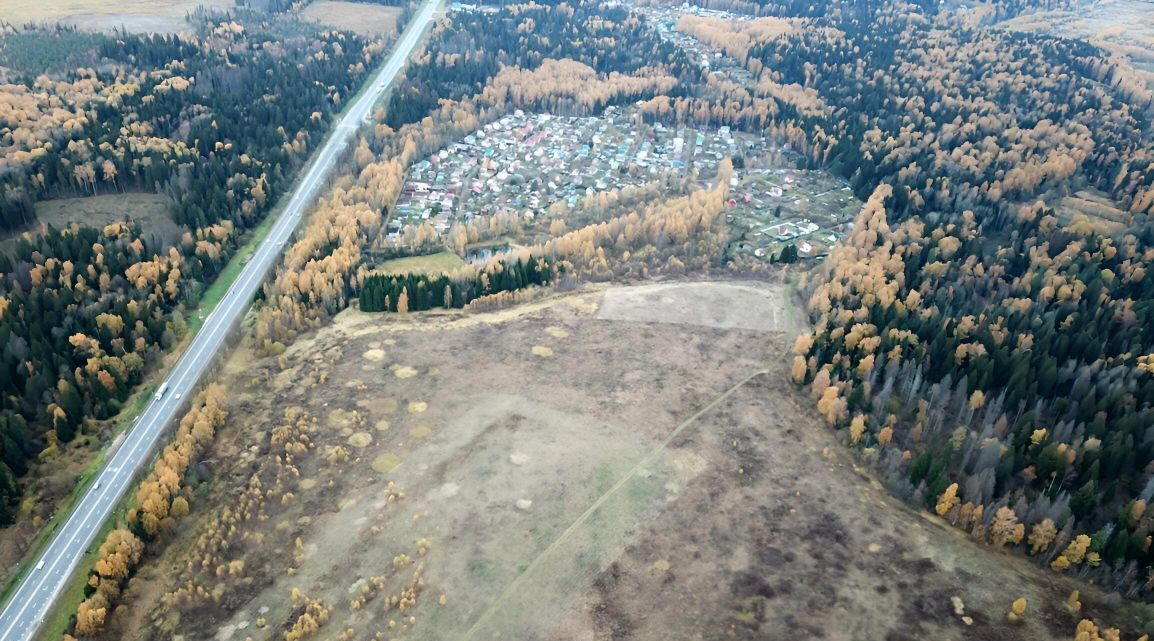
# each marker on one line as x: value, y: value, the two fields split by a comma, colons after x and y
x: 724, y: 305
x: 358, y: 17
x: 442, y: 262
x: 138, y: 16
x: 572, y: 469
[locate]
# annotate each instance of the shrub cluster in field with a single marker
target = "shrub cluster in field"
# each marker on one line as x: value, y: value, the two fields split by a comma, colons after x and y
x: 232, y: 546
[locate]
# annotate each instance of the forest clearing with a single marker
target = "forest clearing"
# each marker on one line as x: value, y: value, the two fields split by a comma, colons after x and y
x: 427, y: 264
x: 135, y: 16
x: 469, y: 475
x: 1118, y: 26
x: 150, y: 211
x: 358, y: 17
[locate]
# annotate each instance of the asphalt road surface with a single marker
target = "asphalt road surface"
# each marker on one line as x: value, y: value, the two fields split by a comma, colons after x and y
x: 31, y: 601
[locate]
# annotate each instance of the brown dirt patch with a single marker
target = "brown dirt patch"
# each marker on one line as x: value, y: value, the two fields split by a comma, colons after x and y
x: 705, y: 304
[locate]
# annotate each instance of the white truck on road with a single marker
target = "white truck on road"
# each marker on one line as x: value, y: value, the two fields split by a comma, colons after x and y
x: 160, y: 391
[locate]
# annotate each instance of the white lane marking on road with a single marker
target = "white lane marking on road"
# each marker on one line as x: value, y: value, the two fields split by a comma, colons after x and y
x: 156, y: 416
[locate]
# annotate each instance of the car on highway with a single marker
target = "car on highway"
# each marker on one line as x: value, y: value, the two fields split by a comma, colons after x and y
x: 40, y: 565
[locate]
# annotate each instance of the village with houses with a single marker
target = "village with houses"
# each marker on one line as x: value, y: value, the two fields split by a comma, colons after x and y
x: 536, y: 165
x: 771, y: 209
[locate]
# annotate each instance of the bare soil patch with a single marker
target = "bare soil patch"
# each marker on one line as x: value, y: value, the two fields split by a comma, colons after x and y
x: 649, y: 480
x: 724, y: 305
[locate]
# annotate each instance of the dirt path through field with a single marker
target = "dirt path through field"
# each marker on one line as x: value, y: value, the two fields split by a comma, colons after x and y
x: 613, y: 463
x: 533, y: 574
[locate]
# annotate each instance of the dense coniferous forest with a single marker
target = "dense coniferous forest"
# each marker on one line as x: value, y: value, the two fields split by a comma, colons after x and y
x: 204, y: 120
x: 477, y: 45
x: 219, y: 122
x: 986, y: 349
x: 419, y: 292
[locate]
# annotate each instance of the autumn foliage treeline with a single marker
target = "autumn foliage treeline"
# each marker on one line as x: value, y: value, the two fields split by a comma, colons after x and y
x: 162, y: 499
x: 1002, y: 378
x: 233, y: 552
x: 965, y: 334
x: 595, y: 39
x: 219, y: 121
x: 229, y: 554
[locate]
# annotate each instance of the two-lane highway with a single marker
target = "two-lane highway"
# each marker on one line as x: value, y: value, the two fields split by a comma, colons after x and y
x: 25, y: 611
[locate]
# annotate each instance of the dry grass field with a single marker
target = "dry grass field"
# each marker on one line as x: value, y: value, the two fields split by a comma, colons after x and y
x: 615, y: 463
x: 150, y: 210
x: 364, y: 19
x: 138, y: 16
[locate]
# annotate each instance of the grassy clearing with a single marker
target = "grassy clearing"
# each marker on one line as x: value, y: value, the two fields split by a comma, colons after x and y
x: 100, y: 15
x: 364, y: 19
x: 433, y: 263
x: 150, y: 210
x: 539, y: 455
x: 597, y: 536
x: 598, y: 494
